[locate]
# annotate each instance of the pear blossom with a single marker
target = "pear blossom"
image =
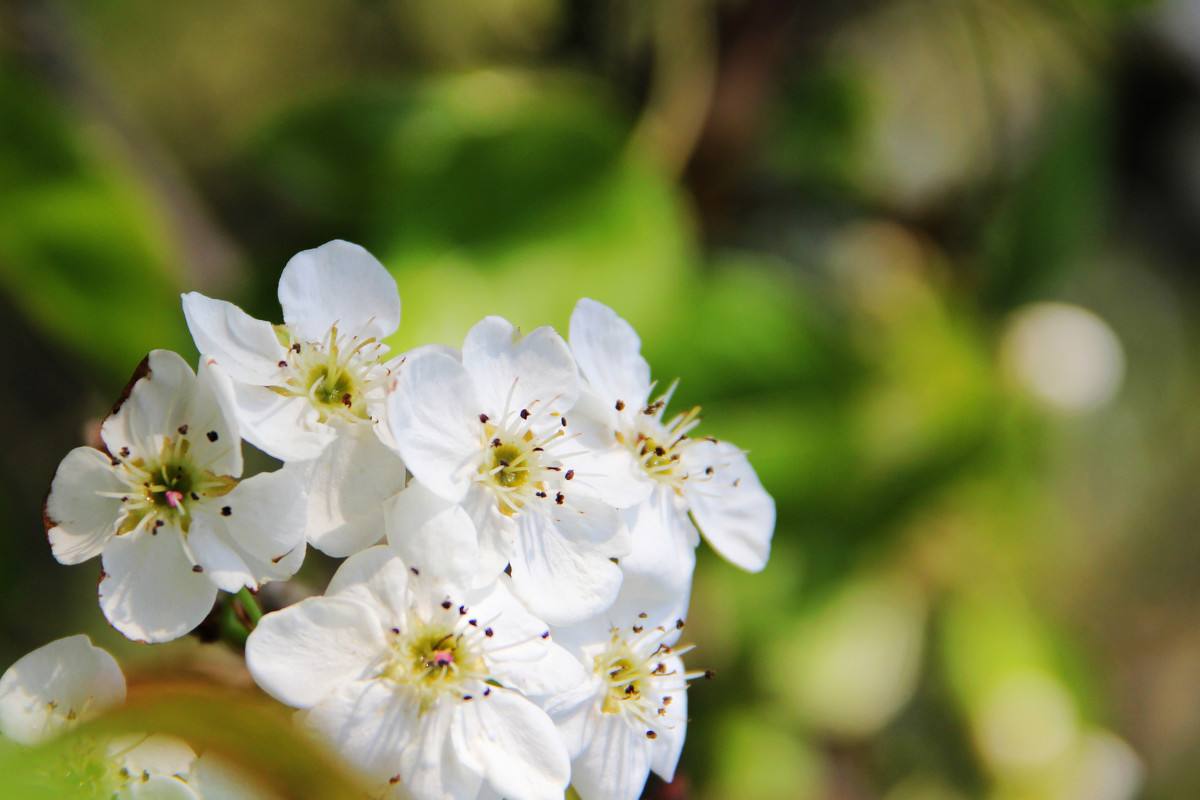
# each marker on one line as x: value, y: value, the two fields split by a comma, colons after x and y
x: 57, y: 686
x: 501, y: 481
x: 163, y: 506
x: 423, y: 687
x: 312, y: 389
x: 709, y: 481
x: 629, y: 717
x: 65, y: 683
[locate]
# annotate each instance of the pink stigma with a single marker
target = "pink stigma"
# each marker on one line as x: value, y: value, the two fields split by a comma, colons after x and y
x: 443, y: 658
x: 174, y: 498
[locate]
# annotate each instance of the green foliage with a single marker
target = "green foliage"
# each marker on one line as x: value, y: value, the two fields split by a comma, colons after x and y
x: 76, y: 234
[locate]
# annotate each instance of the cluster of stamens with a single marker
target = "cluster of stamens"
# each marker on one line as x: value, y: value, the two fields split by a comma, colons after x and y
x: 439, y: 659
x: 518, y: 466
x: 164, y: 487
x: 336, y: 374
x: 638, y: 684
x: 659, y: 446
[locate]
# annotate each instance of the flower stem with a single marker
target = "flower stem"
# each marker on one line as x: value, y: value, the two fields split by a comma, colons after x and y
x: 250, y: 606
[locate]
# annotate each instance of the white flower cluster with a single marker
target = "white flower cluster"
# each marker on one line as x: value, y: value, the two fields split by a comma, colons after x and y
x: 518, y: 632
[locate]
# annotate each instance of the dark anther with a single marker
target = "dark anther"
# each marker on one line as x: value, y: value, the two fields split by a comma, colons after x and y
x: 124, y: 452
x: 708, y: 674
x: 462, y: 610
x: 651, y: 735
x: 659, y: 451
x: 545, y: 634
x: 414, y: 570
x: 524, y: 413
x: 466, y: 697
x: 347, y: 400
x: 559, y: 498
x: 495, y: 442
x: 508, y: 570
x: 709, y: 470
x: 540, y: 494
x: 296, y: 347
x: 483, y: 417
x: 158, y: 523
x: 487, y: 632
x: 282, y: 364
x: 473, y: 623
x: 446, y: 604
x: 197, y: 568
x: 396, y: 630
x: 678, y: 624
x: 564, y: 422
x: 226, y: 511
x: 487, y: 691
x: 212, y: 436
x: 620, y: 405
x: 638, y: 629
x: 183, y: 430
x: 570, y: 474
x: 194, y: 495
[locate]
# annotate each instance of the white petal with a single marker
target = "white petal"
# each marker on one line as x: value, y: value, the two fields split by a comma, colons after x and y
x: 78, y: 520
x: 731, y: 508
x: 519, y: 653
x: 517, y: 746
x: 148, y: 591
x: 369, y: 723
x: 611, y: 474
x: 497, y: 533
x: 224, y: 566
x: 377, y: 578
x: 436, y: 536
x: 212, y: 424
x: 341, y: 284
x: 165, y: 399
x: 156, y: 397
x: 433, y: 416
x: 561, y: 575
x: 431, y: 765
x: 266, y: 521
x: 39, y: 693
x: 576, y: 712
x: 158, y: 789
x: 246, y: 348
x: 513, y: 372
x: 616, y: 762
x: 348, y: 487
x: 609, y: 353
x: 303, y: 653
x: 156, y: 754
x: 671, y: 730
x: 658, y: 571
x: 214, y: 778
x: 285, y: 427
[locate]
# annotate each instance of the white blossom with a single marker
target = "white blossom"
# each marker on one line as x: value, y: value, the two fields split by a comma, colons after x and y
x: 57, y: 686
x: 707, y: 480
x: 68, y: 682
x: 164, y: 508
x: 423, y: 687
x: 500, y: 475
x: 312, y: 389
x: 629, y: 717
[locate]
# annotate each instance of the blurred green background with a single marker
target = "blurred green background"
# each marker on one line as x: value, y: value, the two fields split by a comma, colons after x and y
x: 931, y: 261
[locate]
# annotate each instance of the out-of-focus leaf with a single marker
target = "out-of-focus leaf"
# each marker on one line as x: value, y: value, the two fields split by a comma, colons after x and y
x: 82, y: 254
x: 488, y: 193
